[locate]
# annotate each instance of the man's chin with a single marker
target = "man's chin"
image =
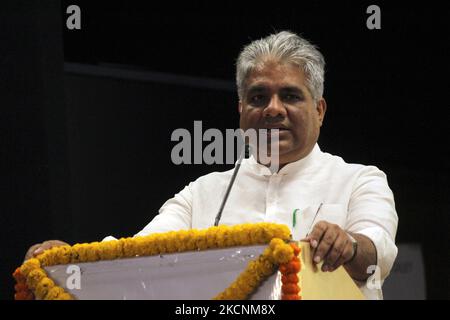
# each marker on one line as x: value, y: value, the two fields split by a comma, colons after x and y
x: 282, y: 148
x: 285, y: 152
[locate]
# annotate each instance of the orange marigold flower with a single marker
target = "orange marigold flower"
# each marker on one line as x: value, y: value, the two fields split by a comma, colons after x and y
x: 283, y: 268
x: 18, y: 275
x: 295, y: 259
x: 290, y: 288
x: 293, y: 267
x: 289, y: 278
x: 23, y: 295
x: 290, y: 297
x: 20, y: 287
x: 296, y: 248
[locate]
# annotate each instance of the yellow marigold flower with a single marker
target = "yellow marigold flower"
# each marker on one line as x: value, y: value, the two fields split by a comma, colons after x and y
x: 181, y: 238
x: 211, y: 237
x: 220, y: 237
x: 190, y: 243
x: 200, y: 240
x: 244, y: 286
x: 130, y: 246
x: 75, y: 257
x: 266, y: 268
x: 270, y: 231
x: 234, y: 290
x: 52, y: 254
x: 64, y: 296
x: 281, y: 231
x: 155, y: 247
x: 90, y: 252
x: 160, y: 243
x: 275, y: 242
x: 93, y: 252
x: 45, y: 259
x: 253, y: 268
x: 240, y: 295
x: 61, y: 255
x: 54, y: 293
x: 43, y: 287
x: 268, y: 254
x: 233, y: 238
x: 145, y: 246
x: 237, y: 230
x: 228, y: 237
x: 244, y: 238
x: 254, y: 281
x: 79, y: 252
x: 29, y: 266
x: 257, y: 235
x: 134, y: 246
x: 171, y: 245
x: 283, y: 253
x: 34, y: 277
x: 109, y: 250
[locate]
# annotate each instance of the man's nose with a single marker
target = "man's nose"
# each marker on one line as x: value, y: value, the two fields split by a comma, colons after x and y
x: 275, y: 108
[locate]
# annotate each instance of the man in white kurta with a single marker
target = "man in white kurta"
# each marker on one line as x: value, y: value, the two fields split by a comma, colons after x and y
x: 353, y: 196
x: 345, y: 211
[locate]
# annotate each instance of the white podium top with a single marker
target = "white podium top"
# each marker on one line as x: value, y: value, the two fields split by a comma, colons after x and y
x: 178, y: 276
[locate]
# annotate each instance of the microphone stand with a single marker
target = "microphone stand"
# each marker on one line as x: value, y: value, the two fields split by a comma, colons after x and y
x: 244, y: 154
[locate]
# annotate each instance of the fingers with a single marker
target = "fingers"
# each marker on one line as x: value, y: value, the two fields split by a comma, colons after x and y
x: 325, y: 244
x: 347, y: 254
x: 30, y: 251
x: 40, y: 248
x: 317, y: 233
x: 331, y: 245
x: 44, y: 246
x: 335, y: 253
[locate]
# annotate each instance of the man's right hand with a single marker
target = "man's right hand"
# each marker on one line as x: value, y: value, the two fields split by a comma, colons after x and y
x: 37, y: 249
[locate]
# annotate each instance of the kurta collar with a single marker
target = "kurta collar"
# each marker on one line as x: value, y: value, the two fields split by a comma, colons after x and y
x: 294, y: 167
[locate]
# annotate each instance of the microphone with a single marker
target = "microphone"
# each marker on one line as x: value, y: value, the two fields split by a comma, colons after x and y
x: 244, y: 154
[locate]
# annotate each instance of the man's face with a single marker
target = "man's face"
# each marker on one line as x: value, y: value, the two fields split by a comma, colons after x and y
x: 276, y: 96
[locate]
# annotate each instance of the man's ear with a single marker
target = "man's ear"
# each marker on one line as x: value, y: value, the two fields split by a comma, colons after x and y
x: 240, y: 107
x: 321, y: 109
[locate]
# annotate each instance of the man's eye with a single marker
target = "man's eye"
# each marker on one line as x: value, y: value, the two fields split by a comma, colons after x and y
x: 292, y: 97
x: 257, y: 99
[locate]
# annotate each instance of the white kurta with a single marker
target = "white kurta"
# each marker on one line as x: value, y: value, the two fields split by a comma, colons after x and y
x: 354, y: 196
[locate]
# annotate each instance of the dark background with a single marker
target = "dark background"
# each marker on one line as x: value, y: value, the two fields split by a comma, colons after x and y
x: 87, y: 114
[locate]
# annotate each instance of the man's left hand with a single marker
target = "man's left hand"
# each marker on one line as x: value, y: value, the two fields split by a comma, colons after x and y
x: 331, y: 244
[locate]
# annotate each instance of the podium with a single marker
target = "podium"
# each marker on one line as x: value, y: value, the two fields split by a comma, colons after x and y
x: 190, y: 274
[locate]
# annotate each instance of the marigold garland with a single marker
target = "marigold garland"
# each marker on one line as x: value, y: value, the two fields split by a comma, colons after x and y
x: 290, y: 289
x: 21, y: 288
x: 33, y: 282
x: 277, y: 253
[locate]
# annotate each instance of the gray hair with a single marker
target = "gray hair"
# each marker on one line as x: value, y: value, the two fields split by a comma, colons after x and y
x: 287, y: 47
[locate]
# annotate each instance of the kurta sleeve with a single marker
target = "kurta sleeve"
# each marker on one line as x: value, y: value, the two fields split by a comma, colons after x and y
x: 372, y: 213
x: 175, y: 214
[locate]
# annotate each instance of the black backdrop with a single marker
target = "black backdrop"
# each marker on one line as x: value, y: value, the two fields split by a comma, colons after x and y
x: 86, y: 150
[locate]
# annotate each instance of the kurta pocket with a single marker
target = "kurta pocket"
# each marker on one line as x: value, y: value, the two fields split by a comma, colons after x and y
x: 306, y: 218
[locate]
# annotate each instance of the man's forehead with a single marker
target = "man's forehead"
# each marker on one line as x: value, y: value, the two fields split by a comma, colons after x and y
x: 270, y: 86
x: 276, y: 75
x: 263, y: 83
